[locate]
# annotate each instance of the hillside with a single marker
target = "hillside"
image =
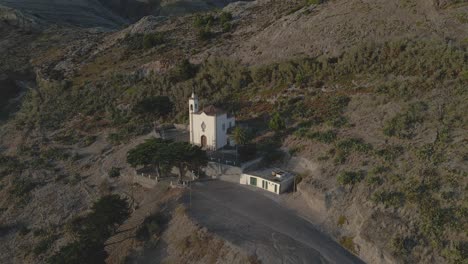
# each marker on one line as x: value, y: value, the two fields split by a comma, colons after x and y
x: 373, y: 94
x: 107, y: 14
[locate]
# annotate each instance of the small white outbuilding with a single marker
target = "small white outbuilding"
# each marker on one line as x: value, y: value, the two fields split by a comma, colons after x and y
x: 272, y: 180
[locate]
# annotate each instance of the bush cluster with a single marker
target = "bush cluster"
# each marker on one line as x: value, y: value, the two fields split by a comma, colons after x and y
x: 205, y: 23
x: 389, y: 199
x: 404, y: 124
x: 152, y: 40
x: 350, y: 177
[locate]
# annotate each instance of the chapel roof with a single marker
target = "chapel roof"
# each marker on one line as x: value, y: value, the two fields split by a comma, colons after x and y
x: 212, y: 110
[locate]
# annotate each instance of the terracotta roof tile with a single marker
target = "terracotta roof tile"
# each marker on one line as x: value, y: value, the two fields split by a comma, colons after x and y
x: 211, y: 110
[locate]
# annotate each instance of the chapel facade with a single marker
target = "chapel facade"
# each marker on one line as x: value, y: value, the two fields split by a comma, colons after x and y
x: 210, y: 126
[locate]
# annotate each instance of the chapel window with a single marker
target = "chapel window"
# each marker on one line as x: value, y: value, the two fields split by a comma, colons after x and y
x: 203, y: 126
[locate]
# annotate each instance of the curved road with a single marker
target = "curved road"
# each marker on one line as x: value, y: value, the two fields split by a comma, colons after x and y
x: 261, y: 226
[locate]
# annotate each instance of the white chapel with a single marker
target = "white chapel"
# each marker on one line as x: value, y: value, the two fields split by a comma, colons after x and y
x: 210, y: 126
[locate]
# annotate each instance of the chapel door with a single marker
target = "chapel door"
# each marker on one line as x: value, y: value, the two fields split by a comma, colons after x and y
x: 203, y: 141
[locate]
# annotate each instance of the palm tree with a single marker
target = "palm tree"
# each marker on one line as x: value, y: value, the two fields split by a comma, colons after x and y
x: 240, y: 136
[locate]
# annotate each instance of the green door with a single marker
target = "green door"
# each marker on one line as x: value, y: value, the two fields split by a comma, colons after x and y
x: 253, y: 181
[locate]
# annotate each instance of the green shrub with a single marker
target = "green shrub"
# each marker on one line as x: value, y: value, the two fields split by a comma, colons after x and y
x: 325, y: 137
x: 342, y: 220
x: 340, y: 157
x: 293, y: 151
x: 276, y: 122
x: 389, y: 199
x: 348, y: 243
x: 428, y: 153
x: 204, y: 33
x: 353, y: 144
x: 390, y: 153
x: 374, y: 180
x: 133, y: 42
x: 159, y: 106
x: 114, y: 172
x: 456, y: 252
x: 225, y: 17
x: 44, y: 245
x: 55, y: 154
x: 350, y: 177
x: 9, y: 164
x: 184, y: 70
x: 313, y: 2
x: 301, y: 132
x: 22, y: 187
x: 202, y: 21
x: 404, y: 124
x: 241, y: 136
x: 152, y: 40
x: 338, y: 122
x: 89, y: 140
x: 401, y: 246
x: 379, y: 170
x: 227, y: 27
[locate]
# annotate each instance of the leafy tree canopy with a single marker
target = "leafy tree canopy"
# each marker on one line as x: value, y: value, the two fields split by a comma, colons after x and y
x: 158, y: 152
x: 158, y: 105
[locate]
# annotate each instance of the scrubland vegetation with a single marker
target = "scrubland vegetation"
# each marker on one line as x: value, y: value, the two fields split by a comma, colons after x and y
x: 412, y: 161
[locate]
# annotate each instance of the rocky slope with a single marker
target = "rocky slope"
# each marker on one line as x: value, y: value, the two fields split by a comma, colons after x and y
x: 373, y: 93
x: 109, y: 14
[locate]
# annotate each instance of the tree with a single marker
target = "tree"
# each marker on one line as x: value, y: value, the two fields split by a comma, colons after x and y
x: 160, y: 106
x: 152, y: 153
x: 184, y: 71
x: 187, y: 156
x: 167, y: 154
x: 276, y: 122
x: 240, y: 136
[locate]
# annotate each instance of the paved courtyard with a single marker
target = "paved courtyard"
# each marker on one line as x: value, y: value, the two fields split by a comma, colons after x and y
x: 261, y: 226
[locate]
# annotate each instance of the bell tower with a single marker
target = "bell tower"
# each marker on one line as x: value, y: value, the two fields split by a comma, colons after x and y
x: 193, y: 108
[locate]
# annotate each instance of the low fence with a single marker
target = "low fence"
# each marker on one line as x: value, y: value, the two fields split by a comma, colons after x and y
x: 147, y: 181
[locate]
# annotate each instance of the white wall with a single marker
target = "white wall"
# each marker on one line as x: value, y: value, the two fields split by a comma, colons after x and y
x: 270, y: 186
x: 287, y: 185
x: 221, y: 137
x: 231, y: 120
x: 193, y: 107
x: 210, y: 131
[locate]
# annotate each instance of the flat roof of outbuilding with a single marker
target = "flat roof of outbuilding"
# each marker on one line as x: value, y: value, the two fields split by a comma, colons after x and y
x: 267, y: 174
